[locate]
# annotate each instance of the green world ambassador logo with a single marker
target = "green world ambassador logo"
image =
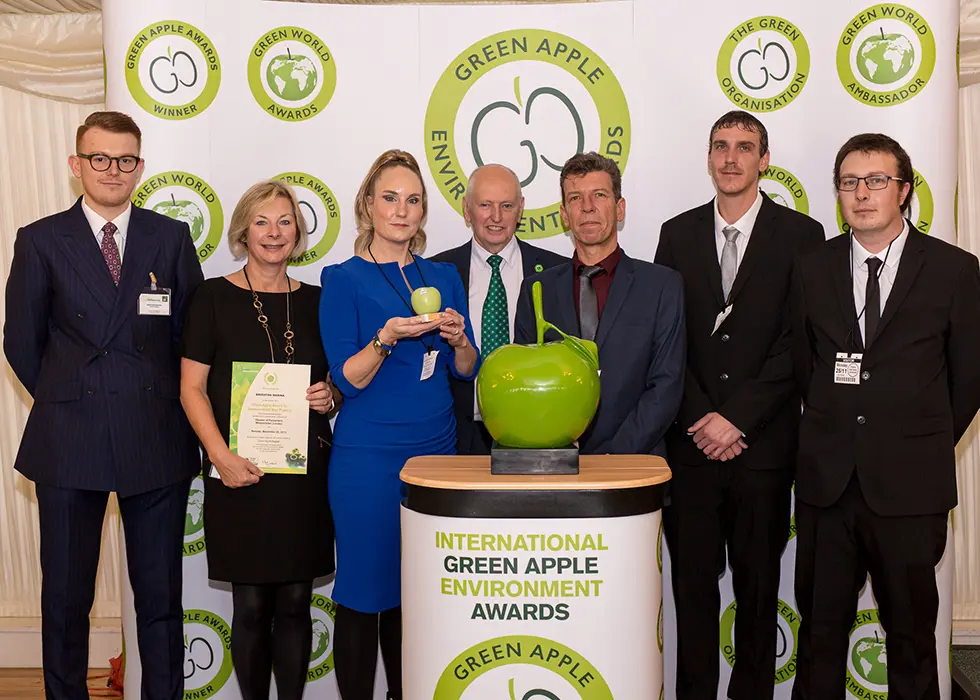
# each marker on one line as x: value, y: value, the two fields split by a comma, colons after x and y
x: 787, y: 638
x: 207, y: 654
x: 886, y: 54
x: 323, y: 612
x: 194, y: 519
x: 763, y: 64
x: 528, y: 48
x: 920, y: 211
x: 867, y: 662
x: 291, y: 73
x: 172, y: 70
x: 512, y: 652
x: 320, y: 212
x: 782, y: 187
x: 185, y: 197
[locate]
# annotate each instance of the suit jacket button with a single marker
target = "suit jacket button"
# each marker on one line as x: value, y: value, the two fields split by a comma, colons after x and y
x: 139, y: 348
x: 725, y: 337
x: 104, y: 353
x: 865, y: 375
x: 723, y: 377
x: 91, y: 391
x: 147, y: 387
x: 81, y: 315
x: 861, y: 420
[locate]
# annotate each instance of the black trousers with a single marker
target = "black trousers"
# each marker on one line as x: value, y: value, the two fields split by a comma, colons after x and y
x: 719, y: 508
x: 837, y: 547
x: 71, y: 537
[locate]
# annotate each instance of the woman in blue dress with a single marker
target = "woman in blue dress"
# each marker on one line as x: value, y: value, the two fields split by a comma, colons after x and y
x: 393, y: 367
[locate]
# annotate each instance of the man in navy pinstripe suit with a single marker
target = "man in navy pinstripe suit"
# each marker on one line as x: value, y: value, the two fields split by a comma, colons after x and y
x: 105, y: 378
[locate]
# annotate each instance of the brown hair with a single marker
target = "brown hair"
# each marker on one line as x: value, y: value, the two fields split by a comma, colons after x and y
x: 879, y: 143
x: 362, y: 210
x: 256, y: 197
x: 744, y: 121
x: 584, y: 163
x: 113, y: 122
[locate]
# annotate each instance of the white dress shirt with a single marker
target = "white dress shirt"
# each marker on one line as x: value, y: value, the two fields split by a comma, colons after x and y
x: 744, y: 226
x: 512, y: 274
x: 886, y: 274
x: 96, y: 221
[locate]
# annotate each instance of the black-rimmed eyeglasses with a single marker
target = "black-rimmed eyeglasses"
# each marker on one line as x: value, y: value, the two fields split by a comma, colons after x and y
x: 101, y: 162
x: 873, y: 182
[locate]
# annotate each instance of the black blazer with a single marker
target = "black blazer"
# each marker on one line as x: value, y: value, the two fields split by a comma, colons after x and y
x: 920, y: 387
x: 641, y: 351
x: 468, y: 440
x: 105, y: 381
x: 744, y: 370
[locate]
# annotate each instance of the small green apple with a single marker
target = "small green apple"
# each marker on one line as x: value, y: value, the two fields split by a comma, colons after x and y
x: 426, y: 300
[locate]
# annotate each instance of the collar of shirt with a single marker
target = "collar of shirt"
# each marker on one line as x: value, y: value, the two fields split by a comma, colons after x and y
x: 744, y: 224
x: 860, y: 254
x: 608, y: 264
x: 97, y: 221
x: 479, y: 255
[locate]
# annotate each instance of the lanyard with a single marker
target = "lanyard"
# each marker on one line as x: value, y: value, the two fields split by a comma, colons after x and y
x: 391, y: 284
x: 850, y: 269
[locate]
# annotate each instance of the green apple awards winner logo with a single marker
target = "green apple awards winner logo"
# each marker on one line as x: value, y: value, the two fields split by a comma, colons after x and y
x: 521, y: 668
x: 188, y: 198
x: 320, y: 212
x: 787, y: 637
x: 207, y: 654
x: 763, y: 64
x: 194, y: 519
x: 920, y: 211
x: 867, y: 662
x: 886, y: 54
x: 292, y: 73
x: 172, y: 70
x: 479, y: 112
x: 323, y: 611
x: 782, y: 187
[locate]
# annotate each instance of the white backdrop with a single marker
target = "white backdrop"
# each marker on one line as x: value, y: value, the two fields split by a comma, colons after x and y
x: 229, y: 92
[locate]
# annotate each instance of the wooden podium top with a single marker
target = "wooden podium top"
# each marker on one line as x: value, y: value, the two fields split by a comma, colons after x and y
x: 596, y: 472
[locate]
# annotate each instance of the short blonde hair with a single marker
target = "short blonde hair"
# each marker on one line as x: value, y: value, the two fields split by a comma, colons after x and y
x: 362, y: 210
x: 256, y: 197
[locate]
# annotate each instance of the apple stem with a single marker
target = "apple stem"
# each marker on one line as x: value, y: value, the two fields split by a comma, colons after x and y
x: 538, y: 311
x: 173, y: 199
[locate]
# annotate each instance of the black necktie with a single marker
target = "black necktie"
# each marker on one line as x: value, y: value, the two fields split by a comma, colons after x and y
x: 588, y: 304
x: 872, y: 301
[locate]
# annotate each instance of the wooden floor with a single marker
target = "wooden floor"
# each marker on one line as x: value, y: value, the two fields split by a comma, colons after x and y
x: 25, y: 684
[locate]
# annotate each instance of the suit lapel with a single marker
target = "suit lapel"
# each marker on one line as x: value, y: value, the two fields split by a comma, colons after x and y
x: 141, y: 248
x: 462, y: 262
x: 82, y: 250
x: 762, y: 232
x: 908, y: 270
x: 529, y: 259
x: 617, y: 297
x: 707, y: 252
x: 840, y: 264
x: 568, y: 319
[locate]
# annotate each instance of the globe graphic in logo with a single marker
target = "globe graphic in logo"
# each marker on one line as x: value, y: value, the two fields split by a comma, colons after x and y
x: 885, y: 58
x: 871, y: 660
x: 183, y: 210
x: 194, y: 520
x: 778, y: 198
x: 321, y: 639
x: 291, y: 77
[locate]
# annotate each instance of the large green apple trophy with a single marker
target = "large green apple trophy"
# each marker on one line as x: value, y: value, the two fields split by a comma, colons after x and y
x: 539, y: 396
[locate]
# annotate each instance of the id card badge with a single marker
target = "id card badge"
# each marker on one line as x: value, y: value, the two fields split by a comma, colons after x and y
x: 720, y: 318
x: 428, y: 364
x: 847, y: 369
x: 154, y: 302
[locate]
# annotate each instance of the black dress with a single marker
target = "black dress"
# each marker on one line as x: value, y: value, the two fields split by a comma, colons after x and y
x: 278, y: 530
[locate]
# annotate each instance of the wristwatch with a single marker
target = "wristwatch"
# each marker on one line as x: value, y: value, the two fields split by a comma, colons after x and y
x: 379, y: 347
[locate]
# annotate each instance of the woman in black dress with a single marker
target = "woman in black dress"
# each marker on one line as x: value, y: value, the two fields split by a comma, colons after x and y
x: 269, y: 535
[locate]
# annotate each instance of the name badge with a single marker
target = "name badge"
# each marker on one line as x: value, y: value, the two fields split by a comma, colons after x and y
x: 428, y: 364
x: 720, y: 318
x: 154, y: 302
x: 847, y: 369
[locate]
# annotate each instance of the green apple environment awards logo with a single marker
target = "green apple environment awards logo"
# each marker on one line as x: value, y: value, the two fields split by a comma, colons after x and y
x: 787, y: 637
x: 530, y: 99
x: 320, y: 212
x: 188, y: 198
x: 782, y: 187
x: 886, y: 54
x: 207, y: 654
x: 920, y: 211
x: 194, y: 519
x: 867, y: 662
x: 172, y: 70
x: 763, y: 64
x: 292, y: 73
x: 323, y: 611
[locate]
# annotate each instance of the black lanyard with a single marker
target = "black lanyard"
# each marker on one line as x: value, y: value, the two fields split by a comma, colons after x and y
x: 391, y: 284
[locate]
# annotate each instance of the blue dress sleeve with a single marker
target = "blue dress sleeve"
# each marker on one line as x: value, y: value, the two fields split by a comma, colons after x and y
x: 338, y: 324
x: 461, y: 304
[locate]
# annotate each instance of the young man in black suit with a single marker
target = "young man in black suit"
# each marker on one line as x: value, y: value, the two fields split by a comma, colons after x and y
x: 885, y: 342
x: 492, y: 265
x: 733, y: 445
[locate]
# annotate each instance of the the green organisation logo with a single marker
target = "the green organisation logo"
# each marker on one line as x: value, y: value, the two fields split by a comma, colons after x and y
x: 787, y: 638
x: 521, y: 668
x: 194, y: 519
x: 320, y: 212
x: 867, y: 659
x: 763, y: 64
x: 782, y: 187
x: 323, y: 612
x: 292, y: 73
x: 920, y: 211
x: 185, y: 197
x: 886, y: 54
x: 172, y: 70
x: 530, y: 99
x: 207, y: 654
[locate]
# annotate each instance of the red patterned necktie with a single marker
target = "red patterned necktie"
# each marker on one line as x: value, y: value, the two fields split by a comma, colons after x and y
x: 110, y: 251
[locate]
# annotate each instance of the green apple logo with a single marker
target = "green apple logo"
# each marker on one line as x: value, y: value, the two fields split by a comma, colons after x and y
x: 198, y: 656
x: 885, y: 59
x: 292, y: 78
x: 309, y: 216
x: 183, y: 210
x: 516, y: 109
x: 194, y: 520
x: 529, y: 695
x: 870, y: 659
x: 168, y: 85
x: 321, y: 640
x: 757, y: 66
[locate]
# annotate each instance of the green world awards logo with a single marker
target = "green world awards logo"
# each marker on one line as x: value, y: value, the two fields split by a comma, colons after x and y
x: 920, y: 210
x: 194, y: 519
x: 521, y: 668
x: 885, y: 55
x: 867, y: 662
x: 787, y: 637
x: 763, y: 64
x: 323, y: 612
x: 207, y: 654
x: 320, y: 212
x: 530, y: 99
x: 172, y: 70
x: 185, y: 197
x: 782, y: 187
x: 291, y: 73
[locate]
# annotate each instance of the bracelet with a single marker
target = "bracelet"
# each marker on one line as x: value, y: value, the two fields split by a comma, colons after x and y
x: 379, y: 347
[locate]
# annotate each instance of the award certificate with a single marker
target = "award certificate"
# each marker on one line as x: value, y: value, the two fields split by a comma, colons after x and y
x: 270, y: 416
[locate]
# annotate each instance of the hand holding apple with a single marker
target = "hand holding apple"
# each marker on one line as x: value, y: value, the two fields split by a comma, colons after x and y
x: 452, y: 328
x: 397, y: 327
